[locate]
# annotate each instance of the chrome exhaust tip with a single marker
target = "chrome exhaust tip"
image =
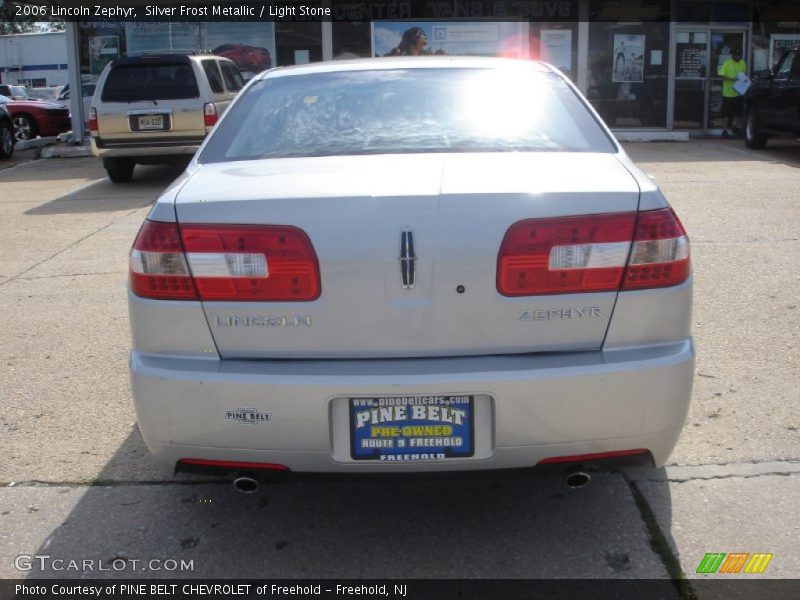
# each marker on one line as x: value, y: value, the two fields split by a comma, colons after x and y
x: 245, y: 485
x: 576, y: 478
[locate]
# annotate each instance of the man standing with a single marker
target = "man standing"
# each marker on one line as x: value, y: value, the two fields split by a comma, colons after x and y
x: 732, y: 101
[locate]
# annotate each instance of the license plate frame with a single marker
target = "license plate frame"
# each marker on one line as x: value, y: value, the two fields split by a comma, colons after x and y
x: 151, y: 122
x: 446, y: 433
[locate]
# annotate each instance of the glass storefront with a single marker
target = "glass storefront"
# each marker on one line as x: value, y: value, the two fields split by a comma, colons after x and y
x: 698, y: 54
x: 629, y: 65
x: 644, y: 64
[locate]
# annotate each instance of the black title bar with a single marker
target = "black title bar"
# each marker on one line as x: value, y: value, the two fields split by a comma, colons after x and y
x: 633, y: 11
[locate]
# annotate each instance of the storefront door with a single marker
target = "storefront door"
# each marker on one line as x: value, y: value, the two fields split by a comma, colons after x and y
x: 699, y: 52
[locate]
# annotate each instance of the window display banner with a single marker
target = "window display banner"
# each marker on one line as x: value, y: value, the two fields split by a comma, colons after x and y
x: 453, y: 38
x: 162, y: 37
x: 250, y: 45
x: 556, y: 47
x: 628, y: 59
x: 102, y: 50
x: 778, y: 44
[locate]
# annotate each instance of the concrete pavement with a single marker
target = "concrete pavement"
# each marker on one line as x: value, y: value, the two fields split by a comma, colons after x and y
x: 77, y: 462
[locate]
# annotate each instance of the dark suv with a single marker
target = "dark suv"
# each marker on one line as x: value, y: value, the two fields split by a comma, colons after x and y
x: 772, y: 103
x: 7, y: 139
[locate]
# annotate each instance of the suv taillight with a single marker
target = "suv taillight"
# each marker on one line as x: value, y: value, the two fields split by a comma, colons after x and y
x: 210, y: 116
x: 589, y: 253
x: 93, y: 127
x: 224, y: 262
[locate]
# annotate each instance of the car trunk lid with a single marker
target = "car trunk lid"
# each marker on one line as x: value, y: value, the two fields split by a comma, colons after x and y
x: 458, y: 208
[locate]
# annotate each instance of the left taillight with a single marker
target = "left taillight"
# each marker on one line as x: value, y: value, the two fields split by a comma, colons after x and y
x: 158, y: 267
x: 210, y: 116
x: 224, y: 262
x: 93, y: 127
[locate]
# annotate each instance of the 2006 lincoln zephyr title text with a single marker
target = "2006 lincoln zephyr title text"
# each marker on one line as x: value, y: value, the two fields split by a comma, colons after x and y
x: 415, y: 264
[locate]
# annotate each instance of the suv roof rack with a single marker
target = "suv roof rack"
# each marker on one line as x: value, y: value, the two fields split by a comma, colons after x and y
x: 166, y: 52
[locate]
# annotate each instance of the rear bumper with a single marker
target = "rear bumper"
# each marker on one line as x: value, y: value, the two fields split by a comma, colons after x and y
x: 182, y: 147
x: 528, y: 407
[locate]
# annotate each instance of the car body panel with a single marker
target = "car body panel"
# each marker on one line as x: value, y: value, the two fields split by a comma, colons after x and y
x: 562, y: 386
x: 459, y: 217
x: 528, y: 407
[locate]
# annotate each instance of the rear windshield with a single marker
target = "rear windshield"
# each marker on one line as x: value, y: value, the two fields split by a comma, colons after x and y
x: 135, y: 82
x: 406, y: 111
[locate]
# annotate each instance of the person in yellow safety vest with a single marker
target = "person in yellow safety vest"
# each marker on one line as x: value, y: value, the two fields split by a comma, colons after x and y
x: 732, y: 101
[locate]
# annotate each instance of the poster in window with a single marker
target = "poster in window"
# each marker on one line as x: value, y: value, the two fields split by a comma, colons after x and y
x: 250, y: 45
x: 780, y: 43
x: 102, y: 50
x: 556, y: 47
x: 162, y: 37
x: 628, y: 57
x: 449, y: 38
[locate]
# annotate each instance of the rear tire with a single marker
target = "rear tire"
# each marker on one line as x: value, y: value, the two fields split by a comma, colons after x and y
x: 6, y: 140
x: 753, y: 137
x: 120, y: 170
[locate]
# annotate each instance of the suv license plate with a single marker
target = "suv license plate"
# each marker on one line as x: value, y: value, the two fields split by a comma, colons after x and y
x: 411, y: 428
x: 151, y: 122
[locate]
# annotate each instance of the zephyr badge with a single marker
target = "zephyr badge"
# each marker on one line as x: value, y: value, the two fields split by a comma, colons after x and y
x: 408, y: 259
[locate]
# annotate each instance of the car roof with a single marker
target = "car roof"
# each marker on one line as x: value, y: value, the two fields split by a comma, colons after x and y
x: 405, y: 62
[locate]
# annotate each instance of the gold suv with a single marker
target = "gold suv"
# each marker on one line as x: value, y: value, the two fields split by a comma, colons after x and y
x: 158, y: 108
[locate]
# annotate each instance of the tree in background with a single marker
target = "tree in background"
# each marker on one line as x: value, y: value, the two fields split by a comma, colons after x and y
x: 10, y: 23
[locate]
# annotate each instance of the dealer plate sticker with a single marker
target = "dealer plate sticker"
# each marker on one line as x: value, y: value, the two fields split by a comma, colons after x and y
x: 412, y: 428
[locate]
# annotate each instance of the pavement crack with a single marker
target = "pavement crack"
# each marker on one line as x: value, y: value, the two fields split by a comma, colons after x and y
x: 71, y: 275
x: 33, y: 483
x: 44, y: 260
x: 72, y: 245
x: 712, y: 477
x: 660, y: 545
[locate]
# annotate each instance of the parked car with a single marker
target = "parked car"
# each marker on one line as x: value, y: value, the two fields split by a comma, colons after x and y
x: 15, y: 92
x: 247, y: 58
x: 410, y: 264
x: 45, y: 93
x: 7, y: 139
x: 158, y: 108
x: 34, y: 118
x: 772, y: 102
x: 87, y: 92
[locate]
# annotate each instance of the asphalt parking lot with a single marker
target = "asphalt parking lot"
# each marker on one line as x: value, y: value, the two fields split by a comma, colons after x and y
x: 77, y: 483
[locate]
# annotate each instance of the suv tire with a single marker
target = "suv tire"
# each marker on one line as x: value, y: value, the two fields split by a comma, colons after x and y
x: 6, y: 140
x: 753, y: 137
x: 120, y: 170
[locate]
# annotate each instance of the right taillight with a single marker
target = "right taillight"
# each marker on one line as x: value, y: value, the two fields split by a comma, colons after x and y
x: 224, y: 262
x: 93, y: 127
x: 660, y: 251
x: 593, y: 253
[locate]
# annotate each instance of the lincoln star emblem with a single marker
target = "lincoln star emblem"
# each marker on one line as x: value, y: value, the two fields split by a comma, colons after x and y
x: 408, y: 259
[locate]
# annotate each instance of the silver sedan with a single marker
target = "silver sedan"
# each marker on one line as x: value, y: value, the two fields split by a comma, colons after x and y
x: 410, y: 264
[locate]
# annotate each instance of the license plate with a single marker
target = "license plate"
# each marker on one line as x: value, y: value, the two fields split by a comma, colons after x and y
x: 151, y: 122
x: 412, y: 428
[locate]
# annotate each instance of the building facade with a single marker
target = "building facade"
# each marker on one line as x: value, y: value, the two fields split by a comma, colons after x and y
x: 34, y: 59
x: 644, y: 64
